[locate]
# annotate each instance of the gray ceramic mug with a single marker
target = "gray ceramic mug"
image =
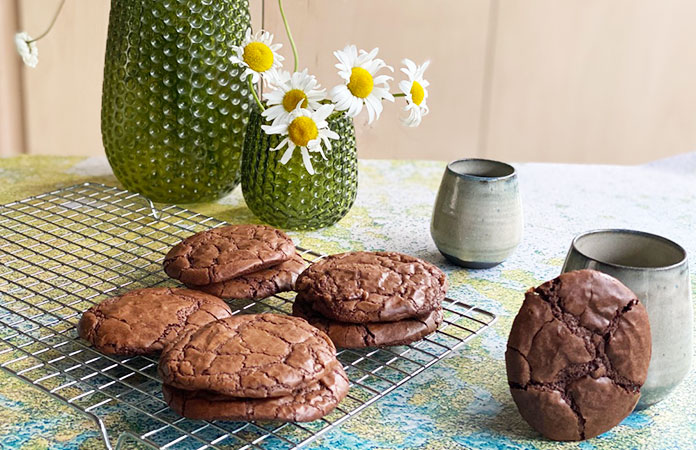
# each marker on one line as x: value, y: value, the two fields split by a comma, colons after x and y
x: 477, y: 221
x: 657, y: 271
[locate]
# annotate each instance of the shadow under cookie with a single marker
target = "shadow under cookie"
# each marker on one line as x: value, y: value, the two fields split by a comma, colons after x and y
x: 378, y: 334
x: 260, y: 284
x: 305, y: 405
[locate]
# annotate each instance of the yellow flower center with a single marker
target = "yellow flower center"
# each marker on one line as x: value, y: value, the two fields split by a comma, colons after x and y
x: 417, y: 93
x: 302, y: 130
x: 361, y: 82
x: 258, y: 56
x: 292, y: 98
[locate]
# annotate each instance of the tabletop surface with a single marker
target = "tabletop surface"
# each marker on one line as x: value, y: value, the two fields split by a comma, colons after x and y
x: 463, y: 401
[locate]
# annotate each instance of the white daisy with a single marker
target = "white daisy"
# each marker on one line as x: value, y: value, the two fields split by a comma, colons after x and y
x: 305, y: 129
x: 258, y: 54
x: 362, y: 86
x: 416, y: 92
x: 290, y: 90
x: 27, y: 49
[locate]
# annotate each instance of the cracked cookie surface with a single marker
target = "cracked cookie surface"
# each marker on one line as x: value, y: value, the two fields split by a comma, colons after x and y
x: 304, y: 405
x: 250, y: 355
x: 577, y: 355
x: 146, y: 320
x: 379, y: 334
x: 260, y: 284
x: 224, y: 253
x: 361, y: 287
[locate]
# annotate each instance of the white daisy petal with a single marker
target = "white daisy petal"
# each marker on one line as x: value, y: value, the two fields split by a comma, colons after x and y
x: 355, y: 107
x: 342, y: 97
x: 327, y: 143
x: 410, y: 65
x: 382, y: 79
x: 324, y: 111
x: 366, y: 57
x: 307, y: 160
x: 421, y: 70
x: 274, y: 96
x: 376, y: 106
x: 375, y: 66
x: 371, y: 110
x: 321, y: 152
x: 347, y: 56
x: 281, y: 128
x: 314, y: 145
x: 288, y: 154
x: 384, y: 94
x: 282, y: 144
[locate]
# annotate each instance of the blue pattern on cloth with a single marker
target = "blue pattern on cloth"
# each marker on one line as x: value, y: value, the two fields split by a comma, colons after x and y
x: 463, y: 401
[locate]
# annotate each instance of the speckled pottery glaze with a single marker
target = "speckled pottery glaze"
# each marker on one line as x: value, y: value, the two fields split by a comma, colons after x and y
x: 656, y: 270
x: 477, y: 221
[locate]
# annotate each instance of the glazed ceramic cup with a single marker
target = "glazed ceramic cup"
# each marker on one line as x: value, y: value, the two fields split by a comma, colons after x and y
x: 477, y: 220
x: 656, y: 270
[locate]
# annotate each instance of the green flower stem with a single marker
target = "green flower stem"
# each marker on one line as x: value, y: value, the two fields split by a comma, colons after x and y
x: 399, y: 94
x: 53, y: 21
x: 287, y: 30
x: 253, y: 92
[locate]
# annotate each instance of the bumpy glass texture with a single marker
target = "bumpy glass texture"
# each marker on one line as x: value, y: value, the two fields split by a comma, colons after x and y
x: 286, y: 196
x: 174, y: 109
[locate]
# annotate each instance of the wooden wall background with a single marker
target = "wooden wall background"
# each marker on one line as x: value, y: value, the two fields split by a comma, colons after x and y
x: 534, y: 80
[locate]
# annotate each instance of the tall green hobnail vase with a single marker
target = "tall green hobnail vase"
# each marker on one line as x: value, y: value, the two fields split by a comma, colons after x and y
x: 286, y: 196
x: 174, y: 109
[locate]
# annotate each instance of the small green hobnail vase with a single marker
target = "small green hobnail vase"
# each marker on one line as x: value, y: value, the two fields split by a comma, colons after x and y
x: 286, y: 195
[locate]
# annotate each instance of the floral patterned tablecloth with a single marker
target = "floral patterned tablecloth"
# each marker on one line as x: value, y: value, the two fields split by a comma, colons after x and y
x: 463, y: 401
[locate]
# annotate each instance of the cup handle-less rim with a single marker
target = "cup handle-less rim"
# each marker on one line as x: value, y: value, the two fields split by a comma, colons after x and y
x: 512, y: 171
x: 664, y: 240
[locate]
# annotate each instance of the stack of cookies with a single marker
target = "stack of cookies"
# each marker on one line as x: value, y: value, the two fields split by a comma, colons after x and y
x: 216, y: 365
x: 236, y: 262
x: 371, y: 299
x: 253, y: 367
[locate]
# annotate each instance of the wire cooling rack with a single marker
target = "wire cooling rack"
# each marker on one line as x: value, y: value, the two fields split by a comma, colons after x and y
x: 64, y: 251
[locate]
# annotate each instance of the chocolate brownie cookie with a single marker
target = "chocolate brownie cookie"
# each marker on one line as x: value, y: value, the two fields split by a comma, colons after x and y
x: 146, y: 320
x: 361, y: 287
x: 577, y: 355
x: 305, y: 405
x: 379, y: 334
x: 261, y: 284
x: 253, y: 355
x: 220, y: 254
